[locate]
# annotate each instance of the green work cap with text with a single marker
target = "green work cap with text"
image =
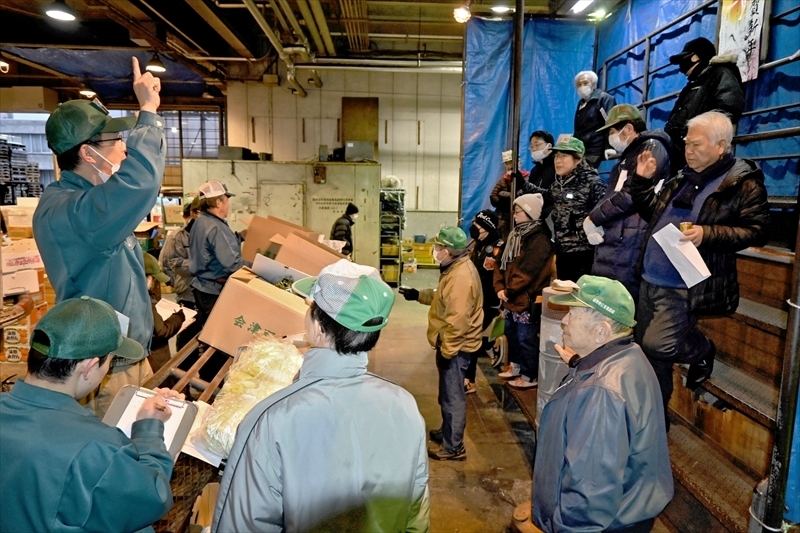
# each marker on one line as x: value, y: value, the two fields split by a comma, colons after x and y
x: 606, y: 296
x: 82, y: 328
x: 152, y: 268
x: 572, y: 144
x: 77, y: 121
x: 452, y: 237
x: 353, y: 295
x: 621, y: 113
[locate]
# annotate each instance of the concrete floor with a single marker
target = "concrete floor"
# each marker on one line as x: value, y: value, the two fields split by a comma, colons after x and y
x: 477, y: 495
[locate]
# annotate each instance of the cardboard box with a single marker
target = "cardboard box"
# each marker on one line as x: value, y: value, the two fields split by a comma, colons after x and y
x: 15, y: 353
x: 20, y: 255
x: 21, y: 281
x: 305, y: 254
x: 20, y: 232
x: 20, y: 332
x: 260, y: 232
x: 249, y: 308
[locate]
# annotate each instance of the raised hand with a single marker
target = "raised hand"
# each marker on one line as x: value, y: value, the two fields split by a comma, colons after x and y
x: 146, y: 87
x: 646, y: 164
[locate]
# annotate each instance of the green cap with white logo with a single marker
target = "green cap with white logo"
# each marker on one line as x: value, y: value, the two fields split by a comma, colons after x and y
x: 77, y: 121
x: 606, y: 296
x: 452, y: 237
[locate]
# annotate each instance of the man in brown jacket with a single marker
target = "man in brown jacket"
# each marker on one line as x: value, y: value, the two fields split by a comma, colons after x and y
x: 455, y: 327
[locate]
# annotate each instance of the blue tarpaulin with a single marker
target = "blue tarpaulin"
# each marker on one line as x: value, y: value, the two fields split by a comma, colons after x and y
x: 553, y: 52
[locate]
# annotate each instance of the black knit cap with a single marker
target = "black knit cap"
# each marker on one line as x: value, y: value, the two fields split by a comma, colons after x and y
x: 351, y: 209
x: 487, y: 219
x: 701, y: 46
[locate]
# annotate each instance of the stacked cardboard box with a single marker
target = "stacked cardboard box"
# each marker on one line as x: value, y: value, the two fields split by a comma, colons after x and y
x: 423, y: 253
x: 17, y: 337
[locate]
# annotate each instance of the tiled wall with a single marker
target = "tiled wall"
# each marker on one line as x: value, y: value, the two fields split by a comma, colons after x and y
x: 419, y: 126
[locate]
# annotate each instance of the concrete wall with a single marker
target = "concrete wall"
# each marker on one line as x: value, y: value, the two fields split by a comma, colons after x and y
x: 419, y: 126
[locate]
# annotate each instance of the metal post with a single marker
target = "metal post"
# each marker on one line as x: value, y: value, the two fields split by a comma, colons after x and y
x: 463, y: 114
x: 516, y: 90
x: 787, y: 408
x: 646, y: 76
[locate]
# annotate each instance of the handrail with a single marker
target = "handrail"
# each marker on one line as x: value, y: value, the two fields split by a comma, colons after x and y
x: 765, y: 135
x: 770, y: 109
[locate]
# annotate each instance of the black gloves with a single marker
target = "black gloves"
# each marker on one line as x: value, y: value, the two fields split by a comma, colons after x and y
x: 409, y: 293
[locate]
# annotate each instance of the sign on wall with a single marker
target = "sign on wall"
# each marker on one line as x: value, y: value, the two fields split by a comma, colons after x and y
x: 740, y: 33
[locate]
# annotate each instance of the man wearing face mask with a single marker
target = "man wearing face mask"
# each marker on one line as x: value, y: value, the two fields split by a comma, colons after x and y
x: 614, y: 226
x: 593, y: 108
x: 715, y: 84
x: 84, y: 222
x: 342, y: 229
x: 455, y: 327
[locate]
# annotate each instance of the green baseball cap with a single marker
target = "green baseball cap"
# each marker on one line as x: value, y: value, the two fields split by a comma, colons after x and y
x: 77, y: 121
x: 607, y: 296
x: 352, y: 295
x: 452, y: 237
x: 621, y: 113
x: 573, y: 144
x: 152, y: 268
x: 82, y: 328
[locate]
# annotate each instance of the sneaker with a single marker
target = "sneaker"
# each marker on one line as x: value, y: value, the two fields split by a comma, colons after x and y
x: 522, y: 383
x: 498, y: 352
x: 441, y: 454
x: 701, y: 371
x: 511, y: 372
x: 469, y: 387
x: 436, y: 436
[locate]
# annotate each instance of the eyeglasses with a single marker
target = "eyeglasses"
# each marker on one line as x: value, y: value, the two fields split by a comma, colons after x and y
x: 118, y: 138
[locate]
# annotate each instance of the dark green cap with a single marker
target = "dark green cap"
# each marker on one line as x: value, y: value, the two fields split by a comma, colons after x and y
x: 152, y: 268
x: 82, y: 328
x: 573, y: 144
x: 607, y: 296
x: 452, y: 237
x: 77, y: 121
x: 621, y: 113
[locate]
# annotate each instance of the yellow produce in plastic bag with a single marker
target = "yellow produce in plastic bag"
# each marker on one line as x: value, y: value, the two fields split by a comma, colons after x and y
x: 262, y: 368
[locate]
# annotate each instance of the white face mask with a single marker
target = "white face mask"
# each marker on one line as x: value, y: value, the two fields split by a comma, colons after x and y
x: 103, y: 175
x: 616, y: 143
x: 439, y: 256
x: 584, y: 91
x: 354, y: 216
x: 539, y: 155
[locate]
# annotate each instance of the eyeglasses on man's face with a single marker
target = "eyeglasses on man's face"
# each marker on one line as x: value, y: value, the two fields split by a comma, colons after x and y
x: 118, y: 138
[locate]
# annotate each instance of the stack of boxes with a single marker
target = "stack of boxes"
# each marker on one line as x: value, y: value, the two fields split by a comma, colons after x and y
x: 23, y: 270
x: 18, y: 177
x: 423, y: 252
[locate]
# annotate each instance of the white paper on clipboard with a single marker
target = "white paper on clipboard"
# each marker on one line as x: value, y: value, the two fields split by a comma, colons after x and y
x: 683, y: 255
x: 171, y: 426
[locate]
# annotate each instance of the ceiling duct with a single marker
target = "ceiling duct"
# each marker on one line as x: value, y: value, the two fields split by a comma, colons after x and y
x: 356, y: 23
x: 305, y: 12
x: 322, y: 24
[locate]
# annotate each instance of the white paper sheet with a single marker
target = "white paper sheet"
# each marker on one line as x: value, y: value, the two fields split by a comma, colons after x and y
x: 171, y: 426
x: 195, y: 443
x: 124, y: 322
x: 166, y: 309
x: 621, y: 180
x: 683, y: 255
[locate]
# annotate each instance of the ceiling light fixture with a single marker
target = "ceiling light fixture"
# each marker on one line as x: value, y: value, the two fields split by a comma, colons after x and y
x: 87, y: 92
x: 208, y: 95
x: 580, y: 5
x: 59, y: 10
x: 600, y: 14
x: 501, y: 9
x: 155, y: 64
x: 4, y: 66
x: 462, y: 13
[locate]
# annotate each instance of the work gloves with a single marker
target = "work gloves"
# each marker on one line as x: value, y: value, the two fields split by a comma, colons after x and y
x: 409, y: 294
x: 594, y: 234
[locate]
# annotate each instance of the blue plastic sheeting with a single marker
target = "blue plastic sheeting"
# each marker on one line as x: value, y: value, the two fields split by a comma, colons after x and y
x: 553, y: 52
x: 109, y: 72
x: 772, y: 88
x: 793, y: 486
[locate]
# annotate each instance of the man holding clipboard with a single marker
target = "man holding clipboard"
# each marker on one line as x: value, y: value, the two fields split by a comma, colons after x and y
x: 63, y: 469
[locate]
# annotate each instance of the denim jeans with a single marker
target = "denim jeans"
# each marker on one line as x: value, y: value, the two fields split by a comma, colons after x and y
x: 452, y: 398
x: 666, y: 329
x: 522, y: 347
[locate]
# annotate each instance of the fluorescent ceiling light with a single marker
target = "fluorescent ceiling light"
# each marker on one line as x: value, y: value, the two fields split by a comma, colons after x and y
x: 59, y: 10
x: 580, y: 5
x: 501, y: 9
x: 462, y: 14
x: 600, y: 14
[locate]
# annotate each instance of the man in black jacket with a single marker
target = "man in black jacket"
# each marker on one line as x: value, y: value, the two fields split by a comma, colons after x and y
x: 342, y: 229
x: 593, y: 109
x: 714, y: 85
x: 725, y: 201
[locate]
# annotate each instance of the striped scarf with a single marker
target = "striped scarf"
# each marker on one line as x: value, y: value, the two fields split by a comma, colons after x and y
x: 514, y: 244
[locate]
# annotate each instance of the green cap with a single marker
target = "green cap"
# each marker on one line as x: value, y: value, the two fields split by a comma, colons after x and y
x: 452, y: 237
x: 573, y: 144
x: 353, y: 295
x: 82, y: 328
x: 152, y: 268
x: 77, y: 121
x: 621, y: 113
x: 607, y: 296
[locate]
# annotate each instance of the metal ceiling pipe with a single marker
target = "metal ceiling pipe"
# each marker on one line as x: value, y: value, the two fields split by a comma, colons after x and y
x: 408, y: 63
x: 279, y: 15
x: 301, y: 54
x: 379, y: 68
x: 405, y: 37
x: 298, y: 31
x: 322, y: 24
x: 262, y: 23
x: 305, y: 11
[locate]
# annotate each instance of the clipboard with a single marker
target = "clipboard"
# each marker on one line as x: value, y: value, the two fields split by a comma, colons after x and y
x: 130, y: 398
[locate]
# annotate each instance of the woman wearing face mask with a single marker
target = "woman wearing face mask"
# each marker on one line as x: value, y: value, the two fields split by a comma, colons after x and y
x: 521, y: 272
x: 342, y: 229
x: 593, y: 108
x: 574, y: 193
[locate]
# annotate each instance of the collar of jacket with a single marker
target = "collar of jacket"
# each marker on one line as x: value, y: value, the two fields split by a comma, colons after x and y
x: 444, y: 268
x: 74, y: 181
x: 327, y: 363
x: 214, y: 216
x: 741, y: 169
x: 188, y: 227
x: 48, y: 399
x: 602, y: 353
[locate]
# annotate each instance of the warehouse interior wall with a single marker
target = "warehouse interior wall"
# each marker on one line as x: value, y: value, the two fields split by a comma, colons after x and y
x: 419, y: 124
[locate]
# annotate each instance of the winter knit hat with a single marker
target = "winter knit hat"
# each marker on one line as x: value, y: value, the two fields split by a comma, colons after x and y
x: 487, y: 219
x: 352, y: 209
x: 531, y: 204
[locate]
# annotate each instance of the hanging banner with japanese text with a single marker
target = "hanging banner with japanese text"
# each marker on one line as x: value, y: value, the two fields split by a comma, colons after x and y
x: 740, y: 34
